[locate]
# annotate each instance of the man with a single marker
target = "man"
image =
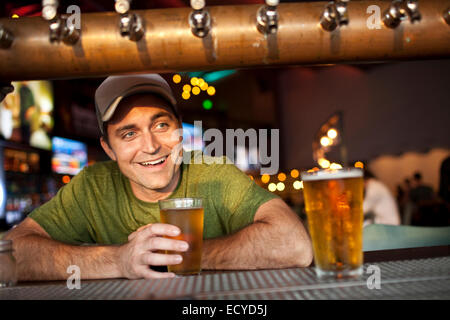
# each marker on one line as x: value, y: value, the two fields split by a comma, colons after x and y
x: 114, y: 204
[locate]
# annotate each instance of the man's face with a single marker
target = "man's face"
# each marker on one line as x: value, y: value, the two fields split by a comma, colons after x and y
x: 143, y: 141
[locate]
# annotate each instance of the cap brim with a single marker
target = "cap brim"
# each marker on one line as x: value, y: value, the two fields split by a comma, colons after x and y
x: 107, y: 115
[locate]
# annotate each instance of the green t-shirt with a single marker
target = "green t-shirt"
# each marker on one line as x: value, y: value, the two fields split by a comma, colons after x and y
x: 98, y: 205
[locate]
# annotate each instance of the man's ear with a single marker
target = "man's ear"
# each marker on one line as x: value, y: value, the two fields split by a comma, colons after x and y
x: 108, y: 150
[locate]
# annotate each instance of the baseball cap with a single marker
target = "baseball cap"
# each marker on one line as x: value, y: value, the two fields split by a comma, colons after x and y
x: 115, y: 88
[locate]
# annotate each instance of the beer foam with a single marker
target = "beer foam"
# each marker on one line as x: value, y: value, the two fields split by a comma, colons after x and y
x: 332, y: 174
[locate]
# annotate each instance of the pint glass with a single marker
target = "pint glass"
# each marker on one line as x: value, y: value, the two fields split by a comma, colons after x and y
x: 186, y: 214
x: 334, y: 208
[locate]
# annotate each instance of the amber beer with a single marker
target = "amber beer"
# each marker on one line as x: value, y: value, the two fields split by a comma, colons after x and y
x: 187, y: 214
x: 334, y: 208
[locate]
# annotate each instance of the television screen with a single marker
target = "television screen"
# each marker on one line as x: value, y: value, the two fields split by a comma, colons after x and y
x: 26, y: 114
x: 192, y: 137
x: 69, y: 156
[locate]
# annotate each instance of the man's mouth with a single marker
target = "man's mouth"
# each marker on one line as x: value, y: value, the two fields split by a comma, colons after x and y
x: 154, y: 163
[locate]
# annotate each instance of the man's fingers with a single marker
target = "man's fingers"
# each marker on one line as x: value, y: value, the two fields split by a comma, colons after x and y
x: 158, y: 259
x: 134, y: 234
x: 160, y: 229
x: 159, y: 243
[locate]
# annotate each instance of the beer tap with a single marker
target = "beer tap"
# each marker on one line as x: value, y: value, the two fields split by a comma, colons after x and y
x: 6, y: 38
x: 334, y: 15
x: 447, y: 15
x: 60, y: 29
x: 199, y: 19
x: 400, y: 10
x: 267, y: 17
x: 131, y: 24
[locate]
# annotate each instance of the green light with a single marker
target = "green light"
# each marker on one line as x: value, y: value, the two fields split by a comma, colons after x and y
x: 207, y: 104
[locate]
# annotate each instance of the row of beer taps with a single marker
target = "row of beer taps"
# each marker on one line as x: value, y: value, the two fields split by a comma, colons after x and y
x: 131, y: 25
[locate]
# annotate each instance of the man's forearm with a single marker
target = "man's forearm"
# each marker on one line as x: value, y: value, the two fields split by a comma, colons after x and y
x: 257, y: 247
x: 41, y: 258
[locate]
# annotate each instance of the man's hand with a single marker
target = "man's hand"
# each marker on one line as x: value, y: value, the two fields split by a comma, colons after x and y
x: 5, y: 88
x: 142, y: 251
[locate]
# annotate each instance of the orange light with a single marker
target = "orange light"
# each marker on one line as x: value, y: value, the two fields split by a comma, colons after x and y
x: 325, y: 141
x: 194, y: 81
x: 211, y: 90
x: 186, y: 95
x: 65, y: 179
x: 281, y: 176
x: 359, y: 164
x: 196, y: 90
x: 265, y: 178
x: 332, y: 133
x: 176, y: 78
x: 294, y: 173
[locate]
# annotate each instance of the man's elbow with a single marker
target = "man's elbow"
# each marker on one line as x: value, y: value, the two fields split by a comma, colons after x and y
x: 304, y: 253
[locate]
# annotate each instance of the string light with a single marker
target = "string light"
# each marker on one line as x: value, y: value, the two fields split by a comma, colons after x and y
x: 272, y: 187
x: 187, y: 88
x: 335, y: 166
x: 298, y: 185
x: 204, y: 86
x: 176, y: 78
x: 194, y: 81
x: 280, y: 186
x: 325, y: 141
x: 332, y: 133
x: 196, y: 90
x: 265, y: 178
x: 185, y: 95
x: 295, y: 173
x: 324, y: 163
x: 281, y: 176
x: 359, y: 164
x: 211, y: 90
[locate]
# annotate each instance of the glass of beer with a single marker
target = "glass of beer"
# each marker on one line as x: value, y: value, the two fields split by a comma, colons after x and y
x: 187, y: 214
x: 334, y: 208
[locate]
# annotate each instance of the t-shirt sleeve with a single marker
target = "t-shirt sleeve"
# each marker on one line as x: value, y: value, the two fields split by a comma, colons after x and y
x: 241, y: 198
x: 63, y: 217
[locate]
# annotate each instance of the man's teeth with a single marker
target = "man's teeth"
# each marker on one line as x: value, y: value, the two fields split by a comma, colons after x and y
x: 154, y: 162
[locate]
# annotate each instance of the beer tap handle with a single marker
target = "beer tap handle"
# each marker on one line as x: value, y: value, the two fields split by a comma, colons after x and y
x: 267, y: 17
x: 130, y: 24
x: 412, y: 9
x: 199, y: 19
x: 446, y: 16
x: 6, y: 38
x: 334, y: 15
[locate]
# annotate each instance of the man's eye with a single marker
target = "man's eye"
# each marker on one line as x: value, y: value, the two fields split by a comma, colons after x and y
x: 161, y: 125
x: 129, y: 134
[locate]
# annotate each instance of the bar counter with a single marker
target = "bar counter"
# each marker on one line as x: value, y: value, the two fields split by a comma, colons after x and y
x: 415, y: 273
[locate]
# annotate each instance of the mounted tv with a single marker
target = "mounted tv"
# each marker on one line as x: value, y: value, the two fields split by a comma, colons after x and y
x: 69, y: 156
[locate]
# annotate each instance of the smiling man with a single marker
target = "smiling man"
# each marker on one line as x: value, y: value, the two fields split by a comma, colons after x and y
x: 112, y: 206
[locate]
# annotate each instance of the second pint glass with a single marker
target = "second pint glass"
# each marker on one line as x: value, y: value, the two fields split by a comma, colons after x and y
x: 334, y: 208
x: 187, y: 214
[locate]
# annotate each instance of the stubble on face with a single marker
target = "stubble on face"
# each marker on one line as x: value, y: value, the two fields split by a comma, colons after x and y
x: 143, y: 131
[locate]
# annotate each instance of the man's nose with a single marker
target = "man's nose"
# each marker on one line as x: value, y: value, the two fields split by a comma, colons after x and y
x: 150, y: 143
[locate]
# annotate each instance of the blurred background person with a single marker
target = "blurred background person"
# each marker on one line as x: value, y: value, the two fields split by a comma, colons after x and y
x: 379, y: 204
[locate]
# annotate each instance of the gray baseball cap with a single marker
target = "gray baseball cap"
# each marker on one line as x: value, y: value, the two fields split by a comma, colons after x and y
x: 109, y: 94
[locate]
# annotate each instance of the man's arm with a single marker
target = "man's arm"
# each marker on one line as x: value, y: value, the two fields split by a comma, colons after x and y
x: 41, y: 258
x: 275, y: 239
